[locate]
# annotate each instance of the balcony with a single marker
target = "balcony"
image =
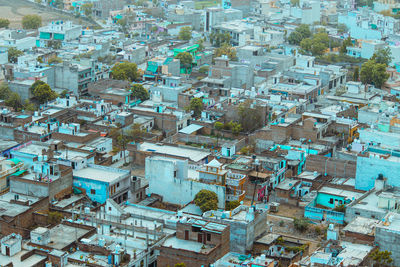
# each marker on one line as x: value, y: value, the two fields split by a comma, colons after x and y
x: 235, y: 179
x: 239, y: 196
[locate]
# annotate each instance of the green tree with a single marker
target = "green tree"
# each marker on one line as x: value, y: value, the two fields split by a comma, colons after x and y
x: 139, y: 92
x: 43, y: 93
x: 4, y: 91
x: 217, y: 39
x: 4, y: 23
x: 206, y: 200
x: 346, y: 43
x: 31, y: 22
x: 383, y: 56
x: 196, y: 105
x: 301, y: 224
x: 136, y: 133
x: 342, y: 28
x: 185, y: 33
x: 218, y: 125
x: 13, y: 54
x: 186, y: 60
x: 29, y: 106
x: 64, y: 93
x: 381, y: 258
x: 200, y: 42
x: 232, y: 205
x: 14, y: 100
x: 87, y: 9
x: 315, y: 45
x: 373, y: 73
x: 356, y: 74
x: 204, y: 69
x: 55, y: 44
x: 295, y: 2
x: 249, y: 116
x: 227, y: 50
x: 54, y: 60
x: 300, y: 33
x: 124, y: 71
x: 54, y: 217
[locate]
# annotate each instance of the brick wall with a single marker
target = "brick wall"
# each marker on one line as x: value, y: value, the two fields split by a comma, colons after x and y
x: 334, y: 167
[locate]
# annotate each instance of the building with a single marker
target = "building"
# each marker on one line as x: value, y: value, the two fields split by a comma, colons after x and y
x: 60, y: 31
x: 197, y: 242
x: 101, y: 183
x: 215, y: 16
x: 387, y: 235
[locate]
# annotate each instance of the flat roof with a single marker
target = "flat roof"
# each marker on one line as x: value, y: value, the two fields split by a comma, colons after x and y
x: 183, y: 152
x: 340, y: 192
x: 191, y: 129
x: 188, y: 245
x: 362, y: 225
x: 16, y: 259
x: 100, y: 173
x: 63, y: 235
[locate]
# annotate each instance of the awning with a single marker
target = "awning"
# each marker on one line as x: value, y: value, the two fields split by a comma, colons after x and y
x: 15, y: 161
x: 152, y: 68
x: 18, y: 173
x: 191, y: 129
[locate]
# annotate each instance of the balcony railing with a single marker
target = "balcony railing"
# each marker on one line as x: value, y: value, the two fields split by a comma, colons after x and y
x: 239, y: 196
x: 235, y: 179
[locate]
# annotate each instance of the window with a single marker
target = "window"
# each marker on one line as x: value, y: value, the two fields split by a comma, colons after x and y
x: 174, y: 174
x: 340, y: 202
x: 331, y: 201
x: 208, y: 237
x: 117, y: 184
x: 357, y: 213
x: 92, y: 191
x: 109, y: 208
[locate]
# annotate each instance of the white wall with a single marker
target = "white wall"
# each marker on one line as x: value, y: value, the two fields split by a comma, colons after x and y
x: 177, y: 190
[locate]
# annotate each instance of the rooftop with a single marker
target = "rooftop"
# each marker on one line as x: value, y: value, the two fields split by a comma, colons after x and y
x: 101, y: 173
x: 183, y: 152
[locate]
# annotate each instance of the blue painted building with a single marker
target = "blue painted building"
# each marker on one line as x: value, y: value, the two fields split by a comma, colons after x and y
x: 101, y: 183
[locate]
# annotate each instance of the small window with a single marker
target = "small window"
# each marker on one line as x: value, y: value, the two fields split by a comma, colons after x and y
x: 331, y: 201
x: 92, y: 191
x: 208, y: 237
x: 373, y: 216
x: 109, y: 208
x: 357, y: 213
x: 117, y: 184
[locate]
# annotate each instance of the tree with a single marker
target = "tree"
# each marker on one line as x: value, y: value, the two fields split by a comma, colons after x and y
x: 373, y: 73
x: 185, y: 33
x: 4, y: 91
x: 295, y: 2
x: 232, y: 205
x: 381, y: 258
x: 64, y: 93
x: 249, y: 117
x: 379, y: 75
x: 186, y: 60
x: 206, y: 200
x: 342, y: 28
x: 383, y: 56
x: 218, y: 125
x: 4, y: 23
x: 43, y: 93
x: 136, y: 133
x: 315, y: 45
x: 124, y: 71
x: 55, y: 44
x: 139, y: 92
x: 196, y: 105
x: 346, y: 42
x: 29, y: 106
x: 14, y: 100
x: 204, y: 69
x: 200, y: 42
x: 300, y: 33
x: 356, y: 74
x: 301, y: 224
x: 87, y: 9
x: 54, y: 60
x: 217, y: 39
x: 31, y: 22
x: 13, y: 54
x: 227, y: 50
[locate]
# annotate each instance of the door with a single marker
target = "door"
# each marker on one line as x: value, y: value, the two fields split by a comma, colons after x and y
x: 200, y: 238
x: 7, y: 251
x: 186, y: 235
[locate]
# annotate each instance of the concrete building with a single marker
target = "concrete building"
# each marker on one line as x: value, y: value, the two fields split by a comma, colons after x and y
x: 241, y: 32
x: 101, y: 183
x: 60, y: 31
x: 197, y: 242
x: 170, y: 88
x: 182, y: 180
x: 387, y: 235
x: 215, y: 16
